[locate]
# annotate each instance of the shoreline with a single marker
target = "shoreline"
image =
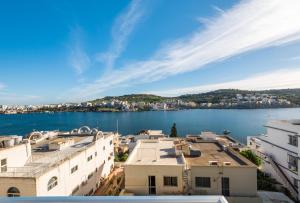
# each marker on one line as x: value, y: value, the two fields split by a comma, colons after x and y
x: 120, y: 111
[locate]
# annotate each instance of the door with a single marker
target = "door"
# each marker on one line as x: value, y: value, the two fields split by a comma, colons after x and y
x: 151, y: 185
x: 225, y: 186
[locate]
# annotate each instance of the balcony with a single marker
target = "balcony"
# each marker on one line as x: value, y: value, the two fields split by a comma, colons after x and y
x: 119, y: 199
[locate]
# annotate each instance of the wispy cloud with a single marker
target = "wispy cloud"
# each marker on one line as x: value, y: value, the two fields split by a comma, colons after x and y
x: 280, y: 79
x: 78, y: 58
x: 248, y: 26
x: 121, y: 31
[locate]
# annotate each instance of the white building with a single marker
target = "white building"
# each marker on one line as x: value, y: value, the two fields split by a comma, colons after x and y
x: 68, y: 164
x: 280, y: 152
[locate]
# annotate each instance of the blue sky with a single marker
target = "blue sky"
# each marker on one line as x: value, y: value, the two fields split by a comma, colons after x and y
x: 55, y: 51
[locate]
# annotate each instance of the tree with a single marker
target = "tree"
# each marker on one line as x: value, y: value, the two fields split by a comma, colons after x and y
x: 252, y: 157
x: 173, y: 131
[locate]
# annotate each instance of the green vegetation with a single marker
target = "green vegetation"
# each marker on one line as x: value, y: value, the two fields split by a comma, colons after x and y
x: 251, y: 157
x: 265, y: 182
x: 173, y: 131
x: 214, y: 97
x: 121, y: 157
x: 293, y: 95
x: 147, y: 98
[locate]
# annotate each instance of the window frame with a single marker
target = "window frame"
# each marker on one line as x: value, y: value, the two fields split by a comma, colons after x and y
x: 74, y: 169
x: 170, y: 181
x: 3, y: 167
x: 200, y: 182
x: 293, y: 140
x: 17, y: 193
x: 52, y: 184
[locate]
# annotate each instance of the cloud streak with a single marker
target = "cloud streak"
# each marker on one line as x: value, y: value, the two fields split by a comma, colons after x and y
x: 248, y: 26
x: 78, y: 58
x: 280, y: 79
x: 121, y: 31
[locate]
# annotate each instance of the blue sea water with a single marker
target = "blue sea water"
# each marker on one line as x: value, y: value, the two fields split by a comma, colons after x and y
x: 241, y: 123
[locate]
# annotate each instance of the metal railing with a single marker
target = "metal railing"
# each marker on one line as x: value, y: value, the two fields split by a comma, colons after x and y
x: 286, y: 182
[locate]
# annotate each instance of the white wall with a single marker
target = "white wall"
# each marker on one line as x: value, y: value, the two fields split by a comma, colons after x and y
x: 16, y: 156
x: 101, y: 166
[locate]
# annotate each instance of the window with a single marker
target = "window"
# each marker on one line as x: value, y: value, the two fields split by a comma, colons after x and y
x: 75, y: 168
x: 52, y: 183
x: 202, y: 181
x: 90, y: 158
x: 292, y: 162
x: 111, y: 142
x: 13, y: 192
x: 95, y: 153
x: 90, y: 175
x: 170, y: 181
x: 295, y: 182
x: 3, y: 165
x: 293, y: 140
x: 103, y: 147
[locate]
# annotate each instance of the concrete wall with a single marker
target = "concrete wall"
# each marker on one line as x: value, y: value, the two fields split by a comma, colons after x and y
x: 16, y: 156
x: 101, y: 166
x: 67, y: 182
x: 136, y: 178
x: 26, y: 186
x: 242, y: 180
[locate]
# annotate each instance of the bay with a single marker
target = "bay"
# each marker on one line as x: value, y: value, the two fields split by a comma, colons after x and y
x: 241, y: 122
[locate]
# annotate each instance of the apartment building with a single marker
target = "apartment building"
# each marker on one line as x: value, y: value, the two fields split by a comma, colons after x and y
x: 219, y: 171
x: 154, y: 169
x: 71, y: 163
x: 280, y: 150
x: 172, y: 166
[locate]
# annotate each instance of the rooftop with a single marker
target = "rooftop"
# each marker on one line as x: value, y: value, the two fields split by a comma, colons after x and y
x: 43, y: 158
x: 214, y: 152
x: 155, y: 152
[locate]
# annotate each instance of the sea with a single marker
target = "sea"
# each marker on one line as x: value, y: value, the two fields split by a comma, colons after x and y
x: 240, y: 122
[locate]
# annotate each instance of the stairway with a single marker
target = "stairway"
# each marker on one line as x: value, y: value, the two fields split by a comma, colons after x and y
x: 286, y: 182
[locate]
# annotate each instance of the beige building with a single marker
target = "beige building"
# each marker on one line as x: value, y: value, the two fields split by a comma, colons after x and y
x: 153, y: 168
x: 170, y: 166
x: 218, y: 170
x: 67, y: 164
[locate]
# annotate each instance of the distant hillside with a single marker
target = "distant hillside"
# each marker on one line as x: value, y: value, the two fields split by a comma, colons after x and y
x: 134, y: 98
x: 292, y: 95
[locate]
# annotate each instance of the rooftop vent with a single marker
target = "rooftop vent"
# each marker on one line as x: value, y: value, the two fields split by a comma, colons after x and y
x: 226, y: 163
x: 213, y: 163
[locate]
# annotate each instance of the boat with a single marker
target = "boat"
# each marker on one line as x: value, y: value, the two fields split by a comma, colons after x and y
x: 226, y: 132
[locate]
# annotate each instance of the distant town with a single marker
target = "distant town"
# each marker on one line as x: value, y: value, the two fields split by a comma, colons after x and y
x: 220, y: 99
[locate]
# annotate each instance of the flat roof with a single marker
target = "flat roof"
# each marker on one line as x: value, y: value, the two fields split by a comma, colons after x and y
x: 43, y: 159
x: 213, y: 151
x: 155, y: 152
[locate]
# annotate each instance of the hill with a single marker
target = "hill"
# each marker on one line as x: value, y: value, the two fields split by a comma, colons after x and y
x: 292, y: 95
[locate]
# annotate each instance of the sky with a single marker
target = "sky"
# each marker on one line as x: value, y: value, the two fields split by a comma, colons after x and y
x: 56, y: 51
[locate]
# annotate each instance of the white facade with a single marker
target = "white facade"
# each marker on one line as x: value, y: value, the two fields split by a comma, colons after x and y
x: 280, y: 150
x: 77, y: 169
